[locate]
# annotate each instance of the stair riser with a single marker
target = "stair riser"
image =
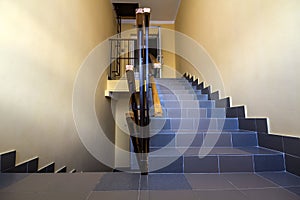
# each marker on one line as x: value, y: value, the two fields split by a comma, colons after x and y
x: 204, y: 140
x: 218, y: 164
x: 161, y: 92
x: 7, y: 161
x: 173, y: 87
x: 196, y: 113
x: 194, y: 124
x: 172, y: 97
x: 188, y: 104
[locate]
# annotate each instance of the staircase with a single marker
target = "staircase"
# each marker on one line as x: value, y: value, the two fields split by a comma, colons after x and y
x: 196, y: 136
x: 8, y: 165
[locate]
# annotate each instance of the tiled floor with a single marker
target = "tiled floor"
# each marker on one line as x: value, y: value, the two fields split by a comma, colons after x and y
x: 112, y: 186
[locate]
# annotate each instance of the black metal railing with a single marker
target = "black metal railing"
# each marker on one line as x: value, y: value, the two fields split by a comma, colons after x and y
x: 138, y: 118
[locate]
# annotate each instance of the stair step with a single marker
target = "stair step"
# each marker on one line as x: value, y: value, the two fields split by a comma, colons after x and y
x: 177, y: 97
x: 173, y: 87
x: 222, y: 139
x: 179, y: 92
x: 188, y: 104
x: 215, y: 160
x: 194, y: 124
x: 49, y: 168
x: 196, y: 113
x: 61, y: 170
x: 7, y: 160
x: 28, y: 166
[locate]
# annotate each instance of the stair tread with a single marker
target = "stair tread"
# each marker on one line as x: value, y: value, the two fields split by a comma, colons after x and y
x: 216, y: 151
x: 208, y: 132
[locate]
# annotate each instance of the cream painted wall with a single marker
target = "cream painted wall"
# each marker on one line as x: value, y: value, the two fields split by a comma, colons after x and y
x: 42, y: 45
x: 256, y: 46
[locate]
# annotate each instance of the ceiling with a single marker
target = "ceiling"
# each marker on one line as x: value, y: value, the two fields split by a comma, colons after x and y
x: 161, y: 10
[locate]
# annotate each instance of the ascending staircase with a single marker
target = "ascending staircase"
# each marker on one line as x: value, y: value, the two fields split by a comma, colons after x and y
x: 195, y: 136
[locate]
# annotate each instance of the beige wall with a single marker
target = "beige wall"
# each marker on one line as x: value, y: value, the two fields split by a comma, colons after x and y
x: 42, y: 45
x: 256, y: 45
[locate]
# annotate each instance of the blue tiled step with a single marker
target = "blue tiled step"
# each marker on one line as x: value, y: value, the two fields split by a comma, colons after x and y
x: 173, y: 87
x: 164, y: 97
x: 176, y: 124
x: 188, y: 104
x: 169, y: 82
x: 214, y: 139
x: 172, y: 79
x: 179, y: 92
x: 174, y: 83
x: 216, y: 160
x: 196, y: 113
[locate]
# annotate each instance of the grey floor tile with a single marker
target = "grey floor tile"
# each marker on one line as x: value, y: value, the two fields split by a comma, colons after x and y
x: 168, y: 195
x: 164, y: 182
x: 221, y: 195
x: 63, y: 195
x: 248, y: 181
x: 19, y: 196
x: 282, y: 178
x: 118, y: 181
x: 114, y: 195
x: 208, y: 182
x: 80, y: 182
x: 9, y: 179
x: 295, y: 190
x: 271, y: 193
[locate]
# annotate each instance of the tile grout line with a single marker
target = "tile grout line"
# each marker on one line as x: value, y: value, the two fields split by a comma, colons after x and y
x: 89, y: 195
x: 139, y: 189
x: 279, y: 186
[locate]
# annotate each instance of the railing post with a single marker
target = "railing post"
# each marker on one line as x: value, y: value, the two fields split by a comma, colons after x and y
x: 140, y: 39
x: 147, y: 23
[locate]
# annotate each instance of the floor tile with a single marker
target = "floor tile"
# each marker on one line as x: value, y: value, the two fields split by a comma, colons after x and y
x: 271, y: 193
x: 164, y: 182
x: 118, y: 181
x: 168, y: 195
x: 208, y: 182
x: 166, y: 164
x: 295, y: 190
x: 248, y: 181
x: 114, y: 195
x: 19, y: 196
x: 63, y: 195
x: 282, y: 178
x: 9, y: 179
x: 80, y: 182
x: 221, y: 194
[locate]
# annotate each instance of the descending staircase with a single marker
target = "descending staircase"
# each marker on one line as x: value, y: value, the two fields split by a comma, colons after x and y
x: 196, y: 136
x: 8, y: 165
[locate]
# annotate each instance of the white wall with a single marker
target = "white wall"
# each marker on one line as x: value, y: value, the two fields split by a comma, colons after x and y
x: 256, y: 46
x: 42, y: 45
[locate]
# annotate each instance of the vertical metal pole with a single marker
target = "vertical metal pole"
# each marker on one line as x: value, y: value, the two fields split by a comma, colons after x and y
x: 140, y: 34
x: 147, y: 23
x: 160, y: 53
x: 111, y: 60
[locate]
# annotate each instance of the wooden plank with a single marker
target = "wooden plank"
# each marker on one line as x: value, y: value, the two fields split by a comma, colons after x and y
x: 158, y: 112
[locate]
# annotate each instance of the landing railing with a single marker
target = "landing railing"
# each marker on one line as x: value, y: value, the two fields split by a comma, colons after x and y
x: 138, y: 118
